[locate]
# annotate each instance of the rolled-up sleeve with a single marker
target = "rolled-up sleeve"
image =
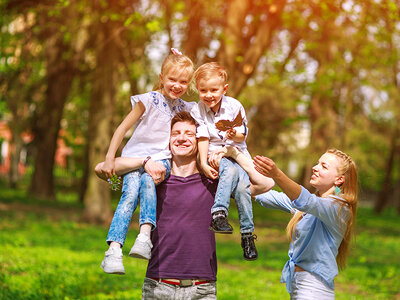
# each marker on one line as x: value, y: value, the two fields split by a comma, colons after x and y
x: 242, y: 128
x: 326, y: 209
x: 275, y: 200
x: 197, y: 114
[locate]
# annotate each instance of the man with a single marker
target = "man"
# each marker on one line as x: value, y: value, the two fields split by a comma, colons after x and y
x: 183, y: 262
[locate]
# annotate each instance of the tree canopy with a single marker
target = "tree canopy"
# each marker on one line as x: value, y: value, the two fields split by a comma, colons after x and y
x: 312, y: 75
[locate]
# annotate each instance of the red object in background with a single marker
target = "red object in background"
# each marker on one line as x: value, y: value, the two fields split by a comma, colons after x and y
x: 61, y: 155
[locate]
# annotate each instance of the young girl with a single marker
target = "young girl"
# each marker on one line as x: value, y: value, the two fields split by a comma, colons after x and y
x: 145, y: 158
x: 321, y: 227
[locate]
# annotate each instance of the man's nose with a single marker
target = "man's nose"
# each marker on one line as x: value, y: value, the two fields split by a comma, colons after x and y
x: 181, y: 136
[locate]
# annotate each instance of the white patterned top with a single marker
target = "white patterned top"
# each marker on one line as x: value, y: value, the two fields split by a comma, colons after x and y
x: 152, y: 130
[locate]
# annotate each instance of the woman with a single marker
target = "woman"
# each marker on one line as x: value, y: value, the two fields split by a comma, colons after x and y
x: 322, y: 223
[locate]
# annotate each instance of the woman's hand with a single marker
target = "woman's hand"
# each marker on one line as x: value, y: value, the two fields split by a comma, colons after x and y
x: 265, y: 166
x: 156, y: 170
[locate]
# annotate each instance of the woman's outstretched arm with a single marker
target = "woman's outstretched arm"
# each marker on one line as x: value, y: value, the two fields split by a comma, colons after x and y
x: 259, y: 183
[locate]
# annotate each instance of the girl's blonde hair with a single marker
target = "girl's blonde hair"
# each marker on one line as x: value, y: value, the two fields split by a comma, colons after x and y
x: 177, y: 61
x: 211, y: 69
x: 349, y: 192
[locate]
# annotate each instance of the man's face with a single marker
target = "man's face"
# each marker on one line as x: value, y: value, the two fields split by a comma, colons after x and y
x: 183, y: 141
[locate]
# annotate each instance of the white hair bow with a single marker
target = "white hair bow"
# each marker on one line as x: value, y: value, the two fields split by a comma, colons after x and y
x: 176, y: 51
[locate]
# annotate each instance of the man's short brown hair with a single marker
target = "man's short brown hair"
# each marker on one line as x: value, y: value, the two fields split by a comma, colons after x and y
x: 183, y: 116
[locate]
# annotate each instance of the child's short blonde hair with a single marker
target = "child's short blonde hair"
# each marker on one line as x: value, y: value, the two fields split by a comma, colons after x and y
x: 211, y: 69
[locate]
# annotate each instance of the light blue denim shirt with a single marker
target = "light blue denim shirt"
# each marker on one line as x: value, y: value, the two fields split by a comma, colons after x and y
x: 317, y: 235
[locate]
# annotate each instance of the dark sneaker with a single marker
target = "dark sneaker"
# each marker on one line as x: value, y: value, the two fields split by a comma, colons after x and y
x: 220, y: 224
x: 249, y: 247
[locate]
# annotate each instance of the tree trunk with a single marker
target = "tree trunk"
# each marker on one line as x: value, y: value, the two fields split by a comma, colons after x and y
x: 15, y: 147
x: 59, y: 79
x: 386, y: 190
x: 97, y: 196
x: 241, y: 62
x: 194, y: 35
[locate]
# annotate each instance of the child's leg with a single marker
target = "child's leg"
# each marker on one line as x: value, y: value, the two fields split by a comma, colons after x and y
x: 148, y: 196
x: 147, y: 216
x: 112, y: 262
x: 242, y: 197
x: 228, y: 179
x: 126, y: 206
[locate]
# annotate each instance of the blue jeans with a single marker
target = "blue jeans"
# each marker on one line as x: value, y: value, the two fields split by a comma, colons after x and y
x: 234, y: 181
x: 137, y: 185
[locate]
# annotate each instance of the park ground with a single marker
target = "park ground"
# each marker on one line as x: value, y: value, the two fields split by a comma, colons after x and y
x: 47, y: 252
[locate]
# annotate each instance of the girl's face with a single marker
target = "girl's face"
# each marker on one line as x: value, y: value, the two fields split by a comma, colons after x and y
x: 211, y: 91
x: 174, y: 83
x: 325, y: 174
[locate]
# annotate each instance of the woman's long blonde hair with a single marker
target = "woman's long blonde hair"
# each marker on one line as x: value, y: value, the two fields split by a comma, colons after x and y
x: 349, y: 192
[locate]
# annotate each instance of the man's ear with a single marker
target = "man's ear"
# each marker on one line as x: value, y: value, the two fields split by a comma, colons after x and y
x: 339, y: 180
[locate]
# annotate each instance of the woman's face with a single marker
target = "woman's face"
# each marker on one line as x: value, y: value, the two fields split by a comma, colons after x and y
x: 325, y: 173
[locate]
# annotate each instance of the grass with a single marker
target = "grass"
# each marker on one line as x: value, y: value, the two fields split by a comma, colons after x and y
x: 47, y: 254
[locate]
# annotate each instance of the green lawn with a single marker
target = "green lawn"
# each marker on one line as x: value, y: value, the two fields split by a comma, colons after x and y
x: 47, y: 254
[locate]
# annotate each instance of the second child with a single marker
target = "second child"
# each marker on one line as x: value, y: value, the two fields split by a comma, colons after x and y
x: 215, y: 106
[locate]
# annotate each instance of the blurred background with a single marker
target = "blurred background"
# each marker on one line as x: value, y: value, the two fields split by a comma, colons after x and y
x: 311, y: 74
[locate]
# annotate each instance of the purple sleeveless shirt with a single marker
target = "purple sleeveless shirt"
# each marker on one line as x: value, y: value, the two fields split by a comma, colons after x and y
x: 183, y: 246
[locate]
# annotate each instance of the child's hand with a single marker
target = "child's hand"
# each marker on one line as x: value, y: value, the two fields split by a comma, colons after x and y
x: 265, y: 166
x: 209, y: 171
x: 230, y: 134
x: 215, y: 157
x: 156, y: 170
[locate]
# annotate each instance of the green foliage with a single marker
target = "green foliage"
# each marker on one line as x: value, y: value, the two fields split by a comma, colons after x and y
x: 48, y: 254
x: 116, y: 182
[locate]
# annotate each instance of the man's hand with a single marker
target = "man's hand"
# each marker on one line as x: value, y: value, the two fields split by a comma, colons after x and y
x: 156, y: 170
x: 265, y: 166
x: 108, y: 168
x: 209, y: 171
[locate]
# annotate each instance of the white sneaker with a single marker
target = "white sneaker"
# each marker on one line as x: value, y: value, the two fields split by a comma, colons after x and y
x: 142, y: 247
x: 112, y: 262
